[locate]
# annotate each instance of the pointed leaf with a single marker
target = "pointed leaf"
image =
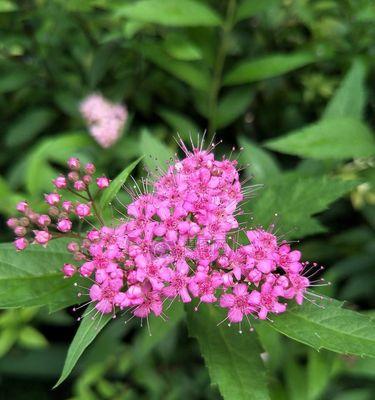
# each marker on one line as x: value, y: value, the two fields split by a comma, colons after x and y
x: 332, y: 327
x: 157, y: 154
x: 233, y: 359
x: 328, y: 139
x: 349, y: 100
x: 117, y: 184
x: 266, y: 67
x: 170, y: 12
x: 88, y: 330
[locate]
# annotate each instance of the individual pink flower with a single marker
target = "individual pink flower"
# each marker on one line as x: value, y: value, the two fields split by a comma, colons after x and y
x: 42, y: 237
x: 240, y: 302
x: 83, y: 210
x: 22, y: 206
x: 102, y: 182
x: 64, y: 225
x: 21, y: 244
x: 52, y: 198
x: 67, y: 206
x: 79, y: 185
x: 60, y: 182
x: 68, y: 270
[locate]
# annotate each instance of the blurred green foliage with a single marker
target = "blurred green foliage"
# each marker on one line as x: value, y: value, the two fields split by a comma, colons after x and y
x: 292, y: 76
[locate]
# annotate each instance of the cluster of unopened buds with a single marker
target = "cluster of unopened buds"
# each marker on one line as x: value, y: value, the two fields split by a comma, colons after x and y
x: 178, y: 241
x: 40, y: 228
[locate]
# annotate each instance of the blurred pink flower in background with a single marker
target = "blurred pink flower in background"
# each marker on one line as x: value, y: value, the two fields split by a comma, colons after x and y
x: 105, y: 120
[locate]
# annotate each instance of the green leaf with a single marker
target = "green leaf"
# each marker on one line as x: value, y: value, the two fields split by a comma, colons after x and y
x: 170, y: 12
x: 117, y: 184
x: 233, y: 360
x: 30, y: 338
x: 180, y: 123
x: 157, y: 154
x: 8, y: 338
x: 249, y: 8
x: 328, y: 139
x: 28, y: 126
x: 262, y: 166
x: 13, y: 80
x: 198, y: 78
x: 8, y: 199
x: 266, y: 67
x: 7, y: 6
x: 332, y: 327
x: 232, y: 106
x: 181, y: 48
x: 350, y: 98
x: 295, y: 199
x: 88, y: 330
x: 33, y: 277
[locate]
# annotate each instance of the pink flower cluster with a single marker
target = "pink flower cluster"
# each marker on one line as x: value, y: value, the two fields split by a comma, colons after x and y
x: 104, y: 119
x: 180, y: 242
x: 57, y: 221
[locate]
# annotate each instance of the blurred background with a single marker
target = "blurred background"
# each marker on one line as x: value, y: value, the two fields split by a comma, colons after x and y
x: 250, y: 71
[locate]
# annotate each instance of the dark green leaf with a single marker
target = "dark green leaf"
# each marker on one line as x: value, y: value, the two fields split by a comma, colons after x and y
x: 181, y: 124
x: 233, y: 359
x: 267, y: 67
x: 181, y: 48
x: 88, y: 329
x: 332, y: 327
x: 249, y: 8
x: 28, y: 126
x: 232, y: 106
x: 171, y: 12
x: 328, y: 139
x: 295, y: 199
x: 117, y: 184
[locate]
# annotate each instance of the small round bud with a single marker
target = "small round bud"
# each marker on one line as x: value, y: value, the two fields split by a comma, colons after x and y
x: 53, y: 211
x: 79, y: 185
x: 64, y: 225
x: 90, y: 168
x: 102, y: 182
x: 52, y: 198
x: 24, y: 221
x: 83, y: 210
x: 20, y: 231
x: 73, y: 176
x: 73, y: 247
x: 68, y: 270
x: 60, y: 182
x: 74, y: 164
x: 44, y: 220
x: 87, y: 179
x: 42, y: 237
x: 22, y: 206
x: 12, y: 223
x: 78, y: 256
x: 20, y: 244
x: 67, y: 206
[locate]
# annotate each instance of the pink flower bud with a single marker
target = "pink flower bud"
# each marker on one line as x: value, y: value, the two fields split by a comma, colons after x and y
x: 64, y: 225
x: 73, y: 163
x: 93, y: 235
x: 52, y: 198
x: 44, y: 220
x: 53, y: 211
x: 67, y: 206
x: 68, y: 270
x: 60, y: 182
x: 42, y: 237
x: 87, y: 179
x: 102, y: 182
x: 20, y: 231
x: 33, y: 216
x: 24, y: 221
x: 20, y: 244
x: 12, y: 222
x: 79, y: 185
x: 83, y: 210
x: 90, y: 168
x: 72, y: 247
x: 78, y: 256
x: 73, y: 176
x: 22, y: 206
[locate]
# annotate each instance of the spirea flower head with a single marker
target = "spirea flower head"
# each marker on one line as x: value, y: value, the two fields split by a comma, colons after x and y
x: 105, y: 120
x: 179, y: 241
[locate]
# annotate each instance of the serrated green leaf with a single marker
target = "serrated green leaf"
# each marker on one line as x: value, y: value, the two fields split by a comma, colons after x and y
x: 249, y: 8
x: 233, y: 360
x: 261, y: 165
x: 170, y: 12
x: 295, y: 199
x: 117, y: 184
x: 33, y: 277
x: 267, y: 67
x: 332, y: 327
x: 88, y: 330
x: 350, y: 98
x: 232, y: 106
x: 339, y: 138
x: 157, y: 154
x: 28, y: 126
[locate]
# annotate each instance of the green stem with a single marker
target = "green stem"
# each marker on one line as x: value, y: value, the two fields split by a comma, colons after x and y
x: 219, y: 66
x: 96, y: 211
